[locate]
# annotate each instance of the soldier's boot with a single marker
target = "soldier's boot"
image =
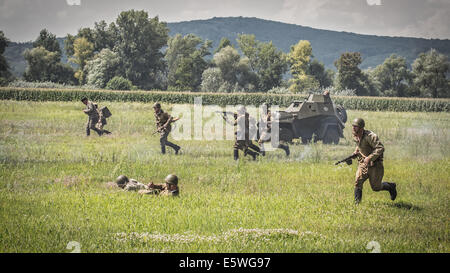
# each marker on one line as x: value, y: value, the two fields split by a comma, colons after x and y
x: 88, y: 131
x: 254, y: 147
x: 163, y: 149
x: 262, y: 150
x: 285, y: 148
x: 392, y: 188
x: 173, y: 146
x: 358, y: 196
x: 98, y: 131
x: 236, y: 154
x: 106, y: 132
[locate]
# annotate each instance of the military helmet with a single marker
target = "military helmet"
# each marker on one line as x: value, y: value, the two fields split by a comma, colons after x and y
x: 121, y: 180
x: 359, y: 122
x: 157, y: 105
x: 171, y: 179
x: 84, y: 99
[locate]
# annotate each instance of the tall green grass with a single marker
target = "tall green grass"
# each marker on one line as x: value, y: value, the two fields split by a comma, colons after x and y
x: 54, y: 188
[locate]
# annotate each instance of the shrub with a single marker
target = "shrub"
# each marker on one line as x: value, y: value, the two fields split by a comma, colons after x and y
x: 223, y: 99
x: 119, y: 83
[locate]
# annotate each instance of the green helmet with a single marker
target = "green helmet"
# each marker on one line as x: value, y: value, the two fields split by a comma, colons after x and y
x: 121, y: 180
x: 171, y: 179
x: 359, y: 122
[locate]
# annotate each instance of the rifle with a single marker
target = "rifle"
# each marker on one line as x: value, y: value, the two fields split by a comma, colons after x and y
x: 347, y: 160
x: 158, y: 130
x: 224, y: 115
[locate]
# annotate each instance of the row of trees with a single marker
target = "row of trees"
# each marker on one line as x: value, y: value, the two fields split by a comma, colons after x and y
x: 136, y: 51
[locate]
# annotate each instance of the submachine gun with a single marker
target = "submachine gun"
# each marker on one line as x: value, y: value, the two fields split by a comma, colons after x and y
x: 347, y: 160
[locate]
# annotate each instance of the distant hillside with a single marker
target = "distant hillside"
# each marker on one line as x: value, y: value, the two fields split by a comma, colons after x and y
x: 327, y: 45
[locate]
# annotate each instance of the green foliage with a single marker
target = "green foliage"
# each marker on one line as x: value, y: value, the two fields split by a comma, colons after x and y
x: 299, y: 59
x: 224, y: 42
x: 102, y: 68
x: 317, y: 70
x: 185, y: 61
x: 44, y: 65
x: 265, y: 60
x: 119, y: 83
x: 235, y: 73
x: 212, y: 80
x: 349, y: 74
x: 327, y: 45
x: 83, y: 52
x: 48, y: 41
x: 430, y: 75
x: 392, y: 76
x: 139, y: 43
x: 44, y: 61
x: 5, y: 74
x: 222, y: 99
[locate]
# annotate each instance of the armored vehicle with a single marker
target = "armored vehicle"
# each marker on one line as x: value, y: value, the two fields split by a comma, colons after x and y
x: 316, y: 118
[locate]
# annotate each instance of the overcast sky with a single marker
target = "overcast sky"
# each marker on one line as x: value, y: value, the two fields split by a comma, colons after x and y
x: 21, y: 20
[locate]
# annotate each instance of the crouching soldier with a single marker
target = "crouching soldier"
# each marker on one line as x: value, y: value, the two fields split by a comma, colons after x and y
x: 169, y: 189
x: 369, y: 151
x: 92, y: 113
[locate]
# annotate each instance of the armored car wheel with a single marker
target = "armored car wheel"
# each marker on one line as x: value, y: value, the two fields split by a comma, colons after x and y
x: 341, y: 113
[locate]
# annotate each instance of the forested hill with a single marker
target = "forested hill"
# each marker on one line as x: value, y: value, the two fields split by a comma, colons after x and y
x: 327, y: 45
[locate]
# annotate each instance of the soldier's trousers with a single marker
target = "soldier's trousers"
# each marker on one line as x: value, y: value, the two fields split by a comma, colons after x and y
x: 163, y: 141
x: 373, y: 173
x: 266, y: 137
x: 91, y: 125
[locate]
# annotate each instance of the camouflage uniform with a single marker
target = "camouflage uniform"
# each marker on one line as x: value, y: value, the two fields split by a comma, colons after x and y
x: 161, y: 118
x: 92, y: 113
x: 161, y: 190
x: 266, y: 123
x: 134, y: 185
x: 370, y: 146
x: 244, y: 123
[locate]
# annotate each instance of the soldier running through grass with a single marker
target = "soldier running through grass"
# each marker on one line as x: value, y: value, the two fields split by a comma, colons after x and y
x: 369, y: 151
x: 244, y: 124
x: 101, y: 121
x: 266, y: 124
x: 93, y: 116
x: 163, y: 125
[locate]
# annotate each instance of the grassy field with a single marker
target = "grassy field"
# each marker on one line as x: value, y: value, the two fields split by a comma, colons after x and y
x: 54, y: 188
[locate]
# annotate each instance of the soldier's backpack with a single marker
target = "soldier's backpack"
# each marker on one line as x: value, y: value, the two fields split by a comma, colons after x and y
x: 105, y: 112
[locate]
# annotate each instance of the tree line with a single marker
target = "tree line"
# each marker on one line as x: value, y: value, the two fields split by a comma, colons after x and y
x: 136, y: 52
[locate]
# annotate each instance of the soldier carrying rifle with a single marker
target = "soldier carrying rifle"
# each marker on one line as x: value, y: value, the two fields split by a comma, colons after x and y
x: 163, y: 125
x: 266, y: 123
x: 369, y: 151
x: 244, y: 125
